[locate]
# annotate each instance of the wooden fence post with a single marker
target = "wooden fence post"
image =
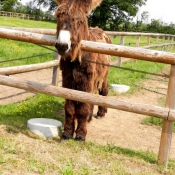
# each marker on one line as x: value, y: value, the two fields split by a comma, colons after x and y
x: 172, y: 40
x: 137, y: 45
x: 163, y: 40
x: 56, y: 71
x: 157, y: 41
x: 167, y: 127
x: 168, y: 44
x: 121, y: 43
x: 148, y: 41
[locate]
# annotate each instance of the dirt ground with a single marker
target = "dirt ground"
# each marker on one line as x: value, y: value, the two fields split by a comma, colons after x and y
x: 119, y: 128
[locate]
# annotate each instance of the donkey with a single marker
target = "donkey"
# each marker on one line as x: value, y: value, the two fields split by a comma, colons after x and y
x: 78, y: 69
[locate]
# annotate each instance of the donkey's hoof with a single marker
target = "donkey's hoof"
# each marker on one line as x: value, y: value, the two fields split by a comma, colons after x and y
x: 79, y: 138
x: 98, y: 117
x: 66, y: 136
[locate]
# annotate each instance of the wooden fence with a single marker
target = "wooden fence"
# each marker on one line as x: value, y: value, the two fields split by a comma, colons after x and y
x: 167, y: 114
x: 163, y: 42
x: 17, y: 15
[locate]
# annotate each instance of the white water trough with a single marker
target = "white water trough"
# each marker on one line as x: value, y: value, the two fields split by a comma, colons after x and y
x: 45, y: 127
x: 120, y: 88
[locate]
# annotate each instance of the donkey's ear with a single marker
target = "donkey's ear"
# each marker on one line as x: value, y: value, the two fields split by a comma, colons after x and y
x: 92, y: 4
x: 95, y: 3
x: 58, y: 1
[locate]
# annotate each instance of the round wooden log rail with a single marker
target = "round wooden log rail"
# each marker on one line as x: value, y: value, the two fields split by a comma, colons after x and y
x: 85, y: 97
x: 27, y: 37
x: 34, y: 30
x: 110, y: 49
x: 28, y: 68
x: 128, y: 52
x: 111, y: 33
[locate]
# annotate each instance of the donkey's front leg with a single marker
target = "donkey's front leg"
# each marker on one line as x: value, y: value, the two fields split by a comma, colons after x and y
x: 82, y: 113
x: 69, y: 126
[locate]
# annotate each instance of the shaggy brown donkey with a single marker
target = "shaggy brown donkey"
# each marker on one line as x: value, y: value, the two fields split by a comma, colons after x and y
x: 77, y: 72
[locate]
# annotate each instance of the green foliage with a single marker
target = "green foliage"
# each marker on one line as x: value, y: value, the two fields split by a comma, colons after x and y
x: 51, y: 4
x: 116, y: 12
x: 8, y: 5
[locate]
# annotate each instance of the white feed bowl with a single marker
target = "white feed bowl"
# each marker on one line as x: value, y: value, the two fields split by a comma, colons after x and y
x: 120, y: 88
x: 45, y: 127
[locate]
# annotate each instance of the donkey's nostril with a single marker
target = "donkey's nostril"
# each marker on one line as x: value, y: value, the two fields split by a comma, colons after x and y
x: 62, y: 48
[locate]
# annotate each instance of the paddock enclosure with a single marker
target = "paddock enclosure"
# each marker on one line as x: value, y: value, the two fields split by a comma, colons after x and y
x: 38, y: 36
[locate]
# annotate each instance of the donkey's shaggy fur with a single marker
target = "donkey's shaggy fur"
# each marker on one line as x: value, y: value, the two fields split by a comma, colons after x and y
x: 77, y: 71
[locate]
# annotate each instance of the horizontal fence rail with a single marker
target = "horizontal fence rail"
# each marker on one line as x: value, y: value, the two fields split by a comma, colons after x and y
x: 33, y: 30
x: 53, y: 32
x: 18, y: 15
x: 85, y: 97
x: 110, y: 49
x: 28, y: 68
x: 137, y: 34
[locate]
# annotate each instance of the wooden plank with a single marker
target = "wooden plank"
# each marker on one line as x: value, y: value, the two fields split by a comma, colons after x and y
x: 121, y: 43
x: 85, y: 97
x: 167, y: 128
x: 172, y: 41
x: 168, y: 44
x: 157, y: 45
x: 163, y: 40
x: 28, y: 68
x: 27, y: 37
x: 112, y: 33
x: 137, y: 45
x: 157, y: 42
x: 128, y: 52
x: 56, y: 71
x: 148, y: 41
x: 34, y: 30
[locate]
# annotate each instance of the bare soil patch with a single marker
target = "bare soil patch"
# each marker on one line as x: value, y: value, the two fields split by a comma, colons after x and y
x: 120, y: 128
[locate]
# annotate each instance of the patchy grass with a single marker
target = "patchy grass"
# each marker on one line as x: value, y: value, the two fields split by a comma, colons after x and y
x: 21, y: 151
x: 131, y: 78
x: 36, y: 156
x: 156, y: 121
x: 15, y: 116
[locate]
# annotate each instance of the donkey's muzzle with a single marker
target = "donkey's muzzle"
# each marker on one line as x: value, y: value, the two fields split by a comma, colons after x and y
x: 62, y: 48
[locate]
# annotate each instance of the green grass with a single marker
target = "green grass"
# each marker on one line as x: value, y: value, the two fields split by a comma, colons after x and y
x: 76, y: 158
x: 131, y: 41
x: 16, y: 22
x: 149, y: 120
x: 10, y: 49
x: 15, y: 116
x: 131, y: 78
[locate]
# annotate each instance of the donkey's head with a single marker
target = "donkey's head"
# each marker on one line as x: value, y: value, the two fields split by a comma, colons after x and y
x: 72, y: 26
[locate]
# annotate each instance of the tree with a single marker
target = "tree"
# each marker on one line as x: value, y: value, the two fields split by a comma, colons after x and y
x: 8, y: 5
x: 47, y: 3
x: 111, y: 13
